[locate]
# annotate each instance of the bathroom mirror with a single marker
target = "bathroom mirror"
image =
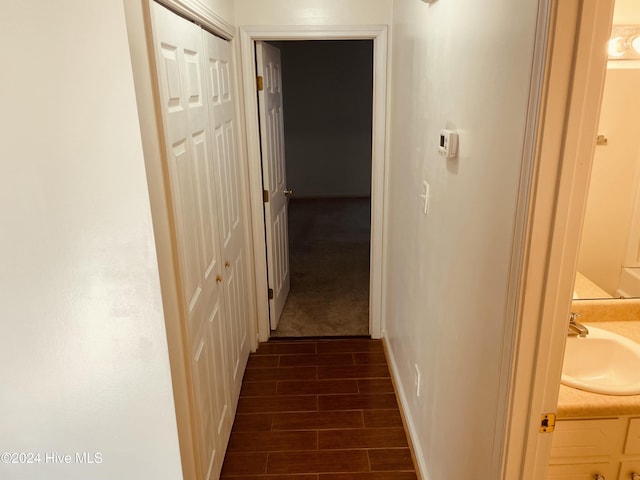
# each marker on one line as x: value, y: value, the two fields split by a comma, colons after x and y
x: 609, y: 255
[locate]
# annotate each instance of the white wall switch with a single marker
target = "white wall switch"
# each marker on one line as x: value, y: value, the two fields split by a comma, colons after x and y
x: 425, y: 196
x: 448, y: 145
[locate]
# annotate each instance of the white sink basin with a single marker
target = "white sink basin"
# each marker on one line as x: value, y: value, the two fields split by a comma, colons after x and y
x: 602, y: 362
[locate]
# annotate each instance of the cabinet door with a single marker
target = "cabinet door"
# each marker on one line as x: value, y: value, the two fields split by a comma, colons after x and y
x: 632, y: 447
x: 582, y: 471
x: 578, y: 441
x: 628, y: 468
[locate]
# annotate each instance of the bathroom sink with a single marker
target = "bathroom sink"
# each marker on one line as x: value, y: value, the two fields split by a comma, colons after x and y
x: 602, y: 362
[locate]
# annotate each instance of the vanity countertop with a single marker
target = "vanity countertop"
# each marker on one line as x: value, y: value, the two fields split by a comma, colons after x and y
x: 573, y: 402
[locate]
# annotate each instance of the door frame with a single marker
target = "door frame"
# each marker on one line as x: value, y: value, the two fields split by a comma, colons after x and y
x: 378, y: 33
x: 575, y: 65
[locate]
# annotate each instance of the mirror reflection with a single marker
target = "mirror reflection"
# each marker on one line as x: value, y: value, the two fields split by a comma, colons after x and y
x: 609, y: 257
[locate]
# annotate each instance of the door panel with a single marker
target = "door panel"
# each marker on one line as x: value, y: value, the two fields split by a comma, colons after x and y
x: 194, y: 197
x: 222, y: 116
x: 274, y: 177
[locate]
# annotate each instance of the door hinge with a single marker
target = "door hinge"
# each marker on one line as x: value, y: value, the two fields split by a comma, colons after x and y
x: 260, y: 83
x: 265, y: 196
x: 271, y: 294
x: 547, y: 422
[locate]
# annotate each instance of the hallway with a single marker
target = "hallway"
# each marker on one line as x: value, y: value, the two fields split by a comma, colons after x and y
x: 318, y: 410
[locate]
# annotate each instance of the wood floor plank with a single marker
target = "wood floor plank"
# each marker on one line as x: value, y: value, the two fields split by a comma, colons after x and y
x: 263, y: 361
x: 375, y: 385
x: 369, y: 358
x: 310, y: 476
x: 357, y: 371
x: 244, y: 464
x: 308, y: 387
x: 363, y: 401
x: 278, y: 347
x: 296, y: 403
x: 273, y: 441
x: 317, y: 420
x: 253, y: 422
x: 382, y: 418
x: 313, y: 360
x: 288, y: 373
x: 369, y: 476
x: 342, y: 461
x: 350, y: 346
x: 390, y: 459
x: 364, y: 438
x: 258, y: 389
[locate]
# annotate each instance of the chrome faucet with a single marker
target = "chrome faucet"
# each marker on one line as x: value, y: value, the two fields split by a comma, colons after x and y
x: 576, y: 328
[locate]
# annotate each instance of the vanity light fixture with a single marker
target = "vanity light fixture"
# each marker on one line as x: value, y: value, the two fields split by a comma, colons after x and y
x: 625, y: 42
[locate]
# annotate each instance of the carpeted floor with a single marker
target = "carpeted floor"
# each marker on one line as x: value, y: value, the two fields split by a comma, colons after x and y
x: 329, y: 261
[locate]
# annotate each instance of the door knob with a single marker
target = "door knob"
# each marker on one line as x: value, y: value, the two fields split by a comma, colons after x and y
x: 288, y: 193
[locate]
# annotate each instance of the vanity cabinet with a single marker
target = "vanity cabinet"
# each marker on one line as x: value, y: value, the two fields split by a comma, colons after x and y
x: 582, y: 449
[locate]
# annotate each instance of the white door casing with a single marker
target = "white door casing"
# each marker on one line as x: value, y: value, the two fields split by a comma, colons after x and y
x: 249, y: 36
x: 193, y: 157
x: 219, y: 75
x: 274, y: 177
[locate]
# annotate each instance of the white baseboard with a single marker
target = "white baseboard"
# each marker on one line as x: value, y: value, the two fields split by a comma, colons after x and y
x: 406, y: 413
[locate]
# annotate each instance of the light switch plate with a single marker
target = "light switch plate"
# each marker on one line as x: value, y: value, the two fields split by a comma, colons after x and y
x: 426, y: 193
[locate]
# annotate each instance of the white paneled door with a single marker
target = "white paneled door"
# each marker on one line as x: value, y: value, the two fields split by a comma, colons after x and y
x: 274, y: 177
x: 195, y: 84
x: 221, y: 101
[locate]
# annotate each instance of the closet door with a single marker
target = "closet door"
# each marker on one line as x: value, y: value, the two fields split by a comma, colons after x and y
x: 191, y: 169
x: 221, y: 101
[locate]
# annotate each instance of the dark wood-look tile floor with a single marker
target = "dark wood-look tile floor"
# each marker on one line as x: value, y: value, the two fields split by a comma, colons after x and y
x: 318, y: 410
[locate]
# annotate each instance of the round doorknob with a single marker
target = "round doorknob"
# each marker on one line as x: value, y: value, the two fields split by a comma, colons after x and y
x: 288, y: 193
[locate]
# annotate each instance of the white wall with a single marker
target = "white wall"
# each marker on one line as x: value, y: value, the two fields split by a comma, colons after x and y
x: 223, y: 8
x: 83, y: 354
x: 464, y: 65
x: 614, y: 176
x: 328, y: 94
x: 313, y: 12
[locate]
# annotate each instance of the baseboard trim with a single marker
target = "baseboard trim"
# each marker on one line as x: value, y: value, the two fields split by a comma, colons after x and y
x: 407, y: 420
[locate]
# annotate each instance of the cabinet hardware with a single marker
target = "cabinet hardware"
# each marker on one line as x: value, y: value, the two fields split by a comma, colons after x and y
x: 218, y: 278
x: 635, y: 476
x: 259, y: 83
x: 547, y: 422
x: 265, y: 196
x: 270, y: 294
x: 597, y: 476
x: 227, y: 264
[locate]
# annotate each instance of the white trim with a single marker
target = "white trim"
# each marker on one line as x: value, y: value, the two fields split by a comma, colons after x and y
x: 202, y: 15
x: 377, y: 33
x: 574, y: 77
x: 518, y: 254
x: 405, y: 407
